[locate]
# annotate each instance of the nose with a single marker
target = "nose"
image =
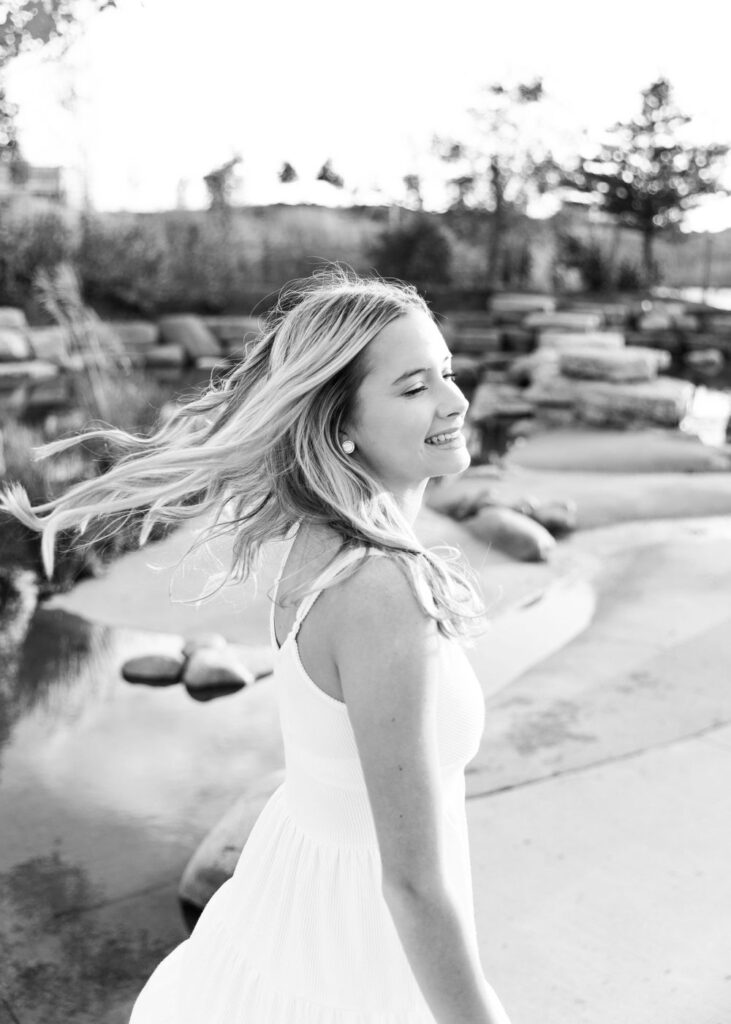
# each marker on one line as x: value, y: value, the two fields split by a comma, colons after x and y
x: 453, y: 403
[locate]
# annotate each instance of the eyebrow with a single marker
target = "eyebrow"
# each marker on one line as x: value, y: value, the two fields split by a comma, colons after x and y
x: 421, y: 369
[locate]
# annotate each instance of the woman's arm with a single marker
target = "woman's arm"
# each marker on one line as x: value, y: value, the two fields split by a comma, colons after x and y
x: 386, y: 652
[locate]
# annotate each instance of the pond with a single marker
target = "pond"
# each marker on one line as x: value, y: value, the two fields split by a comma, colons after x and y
x: 106, y: 788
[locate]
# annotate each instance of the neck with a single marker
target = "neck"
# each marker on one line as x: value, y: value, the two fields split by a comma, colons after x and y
x: 409, y: 500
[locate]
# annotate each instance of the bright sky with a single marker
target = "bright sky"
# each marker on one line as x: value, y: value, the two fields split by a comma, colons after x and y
x: 168, y: 89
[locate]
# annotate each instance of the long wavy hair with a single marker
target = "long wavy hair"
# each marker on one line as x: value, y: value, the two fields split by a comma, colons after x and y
x: 258, y: 450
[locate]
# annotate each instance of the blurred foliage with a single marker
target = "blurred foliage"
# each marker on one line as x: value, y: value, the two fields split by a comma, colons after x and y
x: 418, y: 251
x: 30, y: 242
x: 134, y: 403
x: 596, y: 263
x: 31, y: 24
x: 501, y: 165
x: 646, y: 175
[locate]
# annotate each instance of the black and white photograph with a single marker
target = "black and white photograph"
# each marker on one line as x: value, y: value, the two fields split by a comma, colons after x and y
x: 365, y: 513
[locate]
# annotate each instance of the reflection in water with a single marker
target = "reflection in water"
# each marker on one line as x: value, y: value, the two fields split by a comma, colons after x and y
x: 57, y: 966
x: 106, y: 789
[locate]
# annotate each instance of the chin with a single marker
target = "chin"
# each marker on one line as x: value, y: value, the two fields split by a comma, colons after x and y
x: 451, y: 467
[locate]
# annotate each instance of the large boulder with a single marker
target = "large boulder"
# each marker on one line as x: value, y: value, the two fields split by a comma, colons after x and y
x: 599, y: 451
x: 664, y: 401
x: 12, y: 318
x: 561, y: 340
x: 563, y: 320
x: 216, y: 857
x: 477, y: 340
x: 12, y: 374
x: 136, y: 335
x: 165, y: 356
x: 14, y: 345
x: 621, y: 364
x: 190, y: 334
x: 512, y: 533
x: 51, y: 343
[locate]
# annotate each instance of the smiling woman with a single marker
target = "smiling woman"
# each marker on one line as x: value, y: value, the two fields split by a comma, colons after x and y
x: 352, y: 898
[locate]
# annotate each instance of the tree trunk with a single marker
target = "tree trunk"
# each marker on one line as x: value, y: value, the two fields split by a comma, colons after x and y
x: 648, y: 262
x: 497, y: 227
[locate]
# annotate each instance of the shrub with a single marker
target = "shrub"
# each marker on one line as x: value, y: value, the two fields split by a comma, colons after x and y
x: 419, y: 251
x: 29, y: 242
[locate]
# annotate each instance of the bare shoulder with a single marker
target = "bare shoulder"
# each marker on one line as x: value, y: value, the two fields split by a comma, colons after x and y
x: 379, y: 597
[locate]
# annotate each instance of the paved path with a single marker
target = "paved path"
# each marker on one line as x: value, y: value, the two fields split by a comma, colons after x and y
x: 598, y: 804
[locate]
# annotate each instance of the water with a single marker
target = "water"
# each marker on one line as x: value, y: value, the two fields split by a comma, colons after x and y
x: 105, y: 790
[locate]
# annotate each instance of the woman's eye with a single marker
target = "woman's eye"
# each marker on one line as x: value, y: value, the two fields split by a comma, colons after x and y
x: 417, y: 391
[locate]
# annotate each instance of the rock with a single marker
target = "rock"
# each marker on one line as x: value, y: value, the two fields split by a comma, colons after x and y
x: 233, y: 332
x: 603, y: 451
x: 559, y: 517
x: 477, y: 340
x: 563, y: 320
x: 614, y: 314
x: 718, y: 323
x: 520, y: 302
x: 51, y: 343
x: 14, y: 345
x: 562, y: 340
x: 490, y: 400
x: 518, y: 340
x: 12, y: 318
x: 200, y: 641
x: 153, y: 669
x: 707, y: 360
x: 136, y: 334
x: 621, y: 364
x: 511, y: 532
x: 12, y: 374
x: 664, y: 401
x: 213, y: 672
x: 165, y: 355
x: 216, y: 856
x: 189, y: 333
x: 656, y: 320
x: 532, y: 367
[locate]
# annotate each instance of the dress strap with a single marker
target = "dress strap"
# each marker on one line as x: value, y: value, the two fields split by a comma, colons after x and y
x: 275, y: 585
x: 309, y: 599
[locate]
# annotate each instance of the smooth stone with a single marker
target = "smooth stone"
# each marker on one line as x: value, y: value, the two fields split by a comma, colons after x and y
x: 709, y: 360
x: 198, y: 641
x: 622, y: 364
x: 12, y: 318
x: 165, y: 355
x: 522, y: 302
x: 211, y: 668
x: 136, y: 334
x: 573, y: 339
x: 512, y: 533
x: 191, y: 334
x: 215, y: 858
x: 153, y: 669
x: 14, y: 344
x: 564, y: 319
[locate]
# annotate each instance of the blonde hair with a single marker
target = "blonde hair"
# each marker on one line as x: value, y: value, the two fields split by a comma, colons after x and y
x: 259, y: 449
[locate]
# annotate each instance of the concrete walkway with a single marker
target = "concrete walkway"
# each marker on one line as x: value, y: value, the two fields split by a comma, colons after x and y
x: 599, y: 802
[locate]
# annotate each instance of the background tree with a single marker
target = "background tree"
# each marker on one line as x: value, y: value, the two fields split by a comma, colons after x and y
x: 27, y: 25
x: 412, y: 185
x: 645, y: 176
x: 500, y: 165
x: 221, y: 183
x: 287, y: 173
x: 419, y: 251
x: 326, y: 173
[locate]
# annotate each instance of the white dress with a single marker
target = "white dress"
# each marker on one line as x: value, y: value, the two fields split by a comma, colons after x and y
x: 301, y: 934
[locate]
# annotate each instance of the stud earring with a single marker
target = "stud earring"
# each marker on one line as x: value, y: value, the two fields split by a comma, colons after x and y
x: 348, y: 447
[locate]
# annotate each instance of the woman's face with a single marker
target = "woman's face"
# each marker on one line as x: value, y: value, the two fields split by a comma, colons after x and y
x: 407, y: 397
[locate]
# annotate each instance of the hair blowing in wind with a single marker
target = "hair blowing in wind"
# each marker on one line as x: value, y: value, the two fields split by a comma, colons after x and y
x: 258, y: 450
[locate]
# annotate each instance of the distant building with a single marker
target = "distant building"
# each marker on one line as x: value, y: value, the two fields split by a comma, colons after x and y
x: 40, y: 183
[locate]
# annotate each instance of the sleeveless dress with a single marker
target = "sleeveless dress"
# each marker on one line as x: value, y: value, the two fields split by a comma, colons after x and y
x: 301, y: 933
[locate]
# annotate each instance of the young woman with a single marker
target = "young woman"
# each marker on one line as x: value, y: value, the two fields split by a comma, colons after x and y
x: 352, y: 899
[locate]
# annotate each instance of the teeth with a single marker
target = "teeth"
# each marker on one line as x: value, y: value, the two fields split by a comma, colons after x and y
x: 439, y: 438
